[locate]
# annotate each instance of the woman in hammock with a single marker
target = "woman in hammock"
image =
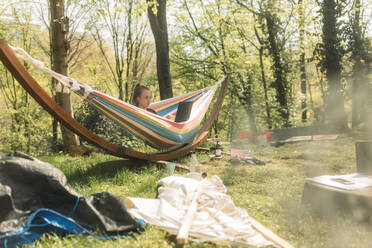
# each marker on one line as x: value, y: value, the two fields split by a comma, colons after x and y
x: 142, y: 98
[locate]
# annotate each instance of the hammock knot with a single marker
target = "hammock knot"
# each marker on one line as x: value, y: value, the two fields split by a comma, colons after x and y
x: 74, y: 86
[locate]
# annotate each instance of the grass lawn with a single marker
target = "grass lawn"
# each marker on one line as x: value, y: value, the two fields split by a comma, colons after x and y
x: 271, y: 193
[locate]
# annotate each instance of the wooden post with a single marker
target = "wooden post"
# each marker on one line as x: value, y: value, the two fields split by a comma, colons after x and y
x: 364, y: 157
x: 269, y: 235
x: 183, y: 232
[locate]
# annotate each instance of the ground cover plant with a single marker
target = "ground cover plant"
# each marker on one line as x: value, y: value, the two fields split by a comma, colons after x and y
x: 271, y: 193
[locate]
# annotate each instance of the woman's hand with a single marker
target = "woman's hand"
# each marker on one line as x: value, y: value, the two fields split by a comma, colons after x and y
x: 171, y: 117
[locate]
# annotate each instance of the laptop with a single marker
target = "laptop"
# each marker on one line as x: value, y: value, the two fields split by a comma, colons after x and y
x: 183, y: 111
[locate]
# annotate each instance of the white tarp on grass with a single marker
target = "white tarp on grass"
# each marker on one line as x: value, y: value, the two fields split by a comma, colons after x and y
x: 217, y: 218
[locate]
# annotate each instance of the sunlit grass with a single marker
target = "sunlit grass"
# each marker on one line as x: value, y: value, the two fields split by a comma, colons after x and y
x: 271, y: 193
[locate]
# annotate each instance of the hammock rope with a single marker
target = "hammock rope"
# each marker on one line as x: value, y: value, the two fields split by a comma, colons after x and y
x: 155, y: 129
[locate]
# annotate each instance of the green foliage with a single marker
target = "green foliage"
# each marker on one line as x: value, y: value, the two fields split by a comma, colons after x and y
x: 29, y: 130
x: 112, y: 49
x: 119, y: 30
x: 221, y: 40
x: 331, y: 34
x: 25, y: 126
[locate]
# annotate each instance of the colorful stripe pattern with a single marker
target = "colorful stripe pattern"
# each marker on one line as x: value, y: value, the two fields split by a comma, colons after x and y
x: 155, y: 129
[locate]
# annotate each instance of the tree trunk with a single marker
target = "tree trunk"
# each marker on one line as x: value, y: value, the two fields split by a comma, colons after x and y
x: 158, y: 23
x: 358, y: 89
x: 269, y: 122
x: 311, y: 96
x: 263, y: 77
x: 303, y: 88
x: 280, y: 83
x: 335, y: 101
x: 59, y: 29
x: 250, y: 112
x: 129, y: 47
x: 53, y: 93
x: 245, y: 99
x: 302, y: 62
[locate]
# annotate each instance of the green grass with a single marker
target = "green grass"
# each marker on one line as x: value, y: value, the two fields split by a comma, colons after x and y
x: 271, y: 193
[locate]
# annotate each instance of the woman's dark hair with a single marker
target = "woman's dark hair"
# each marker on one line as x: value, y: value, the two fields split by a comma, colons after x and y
x: 138, y: 89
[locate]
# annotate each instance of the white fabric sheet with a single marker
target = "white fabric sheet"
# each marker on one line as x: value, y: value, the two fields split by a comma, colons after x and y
x: 217, y: 218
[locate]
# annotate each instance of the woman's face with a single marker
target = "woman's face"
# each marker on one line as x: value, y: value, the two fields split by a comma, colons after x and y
x: 144, y: 99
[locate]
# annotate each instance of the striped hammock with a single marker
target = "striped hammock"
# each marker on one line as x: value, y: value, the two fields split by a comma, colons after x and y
x: 155, y: 129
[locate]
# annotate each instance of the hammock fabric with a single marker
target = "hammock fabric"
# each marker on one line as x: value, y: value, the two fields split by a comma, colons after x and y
x: 155, y: 129
x: 20, y: 73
